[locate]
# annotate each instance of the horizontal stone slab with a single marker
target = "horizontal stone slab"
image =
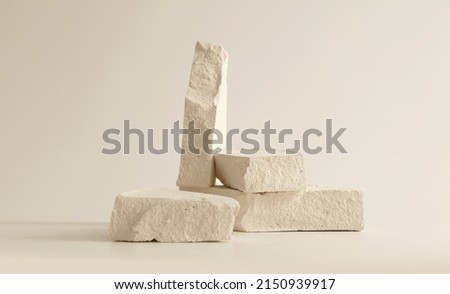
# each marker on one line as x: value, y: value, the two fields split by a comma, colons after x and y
x: 261, y: 172
x: 166, y: 215
x: 317, y: 209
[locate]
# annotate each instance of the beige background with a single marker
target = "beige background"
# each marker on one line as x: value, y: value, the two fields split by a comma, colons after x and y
x: 71, y: 69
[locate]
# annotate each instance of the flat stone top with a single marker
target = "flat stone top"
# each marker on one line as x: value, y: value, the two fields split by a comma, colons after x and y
x: 171, y: 194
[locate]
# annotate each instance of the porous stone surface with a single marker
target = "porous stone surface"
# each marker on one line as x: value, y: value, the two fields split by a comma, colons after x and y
x: 261, y: 172
x: 317, y: 209
x: 166, y: 215
x: 205, y: 105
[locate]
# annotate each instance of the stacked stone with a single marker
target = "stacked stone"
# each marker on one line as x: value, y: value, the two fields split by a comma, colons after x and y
x: 270, y: 188
x: 273, y: 196
x: 261, y: 192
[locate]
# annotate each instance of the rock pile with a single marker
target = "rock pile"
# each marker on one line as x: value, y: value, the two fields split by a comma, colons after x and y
x: 259, y: 192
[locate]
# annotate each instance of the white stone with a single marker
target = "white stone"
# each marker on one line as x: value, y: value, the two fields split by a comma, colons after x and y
x: 166, y: 215
x: 261, y: 172
x: 317, y: 209
x: 205, y: 104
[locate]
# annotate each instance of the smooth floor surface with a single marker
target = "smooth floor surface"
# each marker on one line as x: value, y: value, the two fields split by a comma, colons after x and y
x: 85, y: 248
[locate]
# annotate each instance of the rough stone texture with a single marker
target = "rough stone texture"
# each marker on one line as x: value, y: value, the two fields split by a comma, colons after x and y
x: 205, y: 104
x: 318, y: 209
x: 172, y: 216
x: 261, y: 172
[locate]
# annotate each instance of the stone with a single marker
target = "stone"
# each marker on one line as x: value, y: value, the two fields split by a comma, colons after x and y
x: 166, y: 215
x: 317, y: 209
x: 205, y: 106
x: 261, y: 172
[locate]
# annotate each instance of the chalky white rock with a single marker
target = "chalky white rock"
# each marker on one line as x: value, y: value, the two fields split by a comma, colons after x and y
x: 205, y: 105
x: 317, y: 209
x: 261, y: 172
x: 166, y: 215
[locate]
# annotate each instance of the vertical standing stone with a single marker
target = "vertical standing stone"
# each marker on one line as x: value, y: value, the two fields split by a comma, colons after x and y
x: 205, y: 105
